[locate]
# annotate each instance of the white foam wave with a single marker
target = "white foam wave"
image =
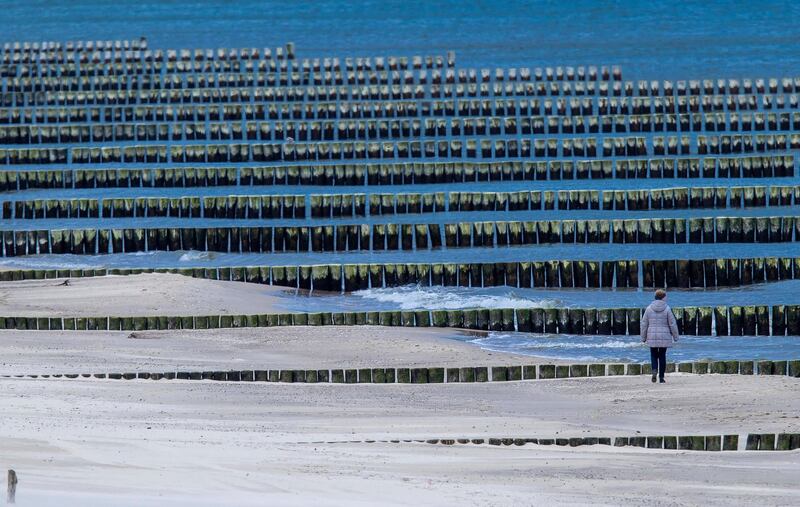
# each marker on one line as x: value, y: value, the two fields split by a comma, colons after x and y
x: 544, y: 344
x: 194, y: 255
x: 35, y: 262
x: 449, y: 298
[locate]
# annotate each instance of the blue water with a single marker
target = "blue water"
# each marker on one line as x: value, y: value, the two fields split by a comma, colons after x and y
x: 631, y: 349
x: 414, y: 297
x: 520, y: 253
x: 649, y: 40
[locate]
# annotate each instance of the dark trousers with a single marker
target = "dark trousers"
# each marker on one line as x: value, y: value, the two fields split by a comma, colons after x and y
x: 658, y: 360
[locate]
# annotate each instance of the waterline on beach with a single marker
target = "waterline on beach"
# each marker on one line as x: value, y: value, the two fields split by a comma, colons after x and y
x: 631, y: 349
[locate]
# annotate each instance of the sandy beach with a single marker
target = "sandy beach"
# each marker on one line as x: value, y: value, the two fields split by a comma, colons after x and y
x: 25, y: 352
x: 135, y: 295
x: 205, y: 443
x: 103, y: 442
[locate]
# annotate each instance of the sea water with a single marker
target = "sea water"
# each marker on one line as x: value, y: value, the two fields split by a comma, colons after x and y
x: 631, y: 348
x: 414, y: 297
x: 649, y: 39
x: 574, y: 347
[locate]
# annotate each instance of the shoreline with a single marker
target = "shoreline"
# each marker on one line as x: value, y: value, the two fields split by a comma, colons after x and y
x: 29, y: 352
x: 116, y: 442
x: 173, y: 294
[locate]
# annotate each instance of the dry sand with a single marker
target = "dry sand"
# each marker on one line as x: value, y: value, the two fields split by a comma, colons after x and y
x: 206, y: 443
x: 27, y: 352
x: 135, y: 295
x: 92, y: 442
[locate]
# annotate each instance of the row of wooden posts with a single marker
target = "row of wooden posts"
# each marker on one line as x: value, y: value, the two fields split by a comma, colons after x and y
x: 88, y: 79
x: 392, y: 236
x: 760, y: 320
x: 64, y: 66
x: 753, y: 442
x: 352, y: 88
x: 440, y: 375
x: 232, y: 129
x: 471, y: 149
x: 466, y: 115
x: 576, y: 115
x: 73, y: 72
x: 80, y: 71
x: 262, y: 206
x: 90, y: 53
x: 128, y: 77
x: 157, y: 60
x: 348, y: 91
x: 680, y: 273
x: 43, y: 47
x: 118, y: 62
x: 374, y: 174
x: 241, y: 78
x: 124, y: 61
x: 398, y: 150
x: 138, y: 124
x: 204, y: 83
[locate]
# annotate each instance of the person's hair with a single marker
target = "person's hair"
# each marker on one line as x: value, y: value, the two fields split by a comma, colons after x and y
x: 661, y: 294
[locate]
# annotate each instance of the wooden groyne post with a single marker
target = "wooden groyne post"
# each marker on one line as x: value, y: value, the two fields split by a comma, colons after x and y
x: 12, y: 487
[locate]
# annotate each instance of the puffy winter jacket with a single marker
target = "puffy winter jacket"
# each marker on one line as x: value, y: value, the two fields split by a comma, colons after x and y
x: 659, y: 327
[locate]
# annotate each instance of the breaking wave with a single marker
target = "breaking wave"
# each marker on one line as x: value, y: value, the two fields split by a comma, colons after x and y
x: 451, y: 298
x: 194, y: 255
x: 545, y: 343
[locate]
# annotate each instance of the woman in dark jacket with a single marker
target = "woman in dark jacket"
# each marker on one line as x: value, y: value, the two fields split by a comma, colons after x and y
x: 660, y: 331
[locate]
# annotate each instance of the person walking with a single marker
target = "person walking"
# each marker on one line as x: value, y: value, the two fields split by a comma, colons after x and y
x: 660, y: 331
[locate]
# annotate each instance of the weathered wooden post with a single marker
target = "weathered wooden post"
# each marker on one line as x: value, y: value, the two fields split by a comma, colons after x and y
x: 12, y: 487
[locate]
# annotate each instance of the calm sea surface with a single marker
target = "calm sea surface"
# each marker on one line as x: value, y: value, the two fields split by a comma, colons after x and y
x: 653, y: 39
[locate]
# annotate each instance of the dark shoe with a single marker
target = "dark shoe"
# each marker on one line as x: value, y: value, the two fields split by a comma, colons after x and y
x: 653, y: 379
x: 662, y: 381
